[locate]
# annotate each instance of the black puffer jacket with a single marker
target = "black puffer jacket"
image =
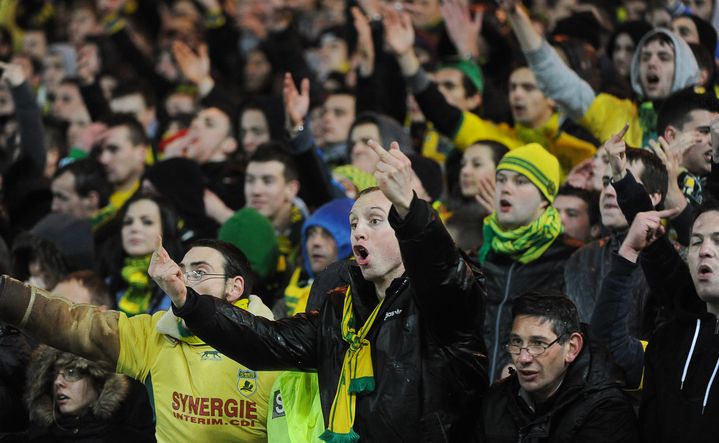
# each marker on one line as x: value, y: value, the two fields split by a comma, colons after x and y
x: 427, y: 351
x: 589, y: 406
x: 507, y: 279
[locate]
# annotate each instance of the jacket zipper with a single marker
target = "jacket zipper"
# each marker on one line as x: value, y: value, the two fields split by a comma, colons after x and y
x: 495, y: 350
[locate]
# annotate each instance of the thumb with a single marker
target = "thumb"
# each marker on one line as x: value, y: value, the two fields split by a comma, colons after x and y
x: 667, y: 213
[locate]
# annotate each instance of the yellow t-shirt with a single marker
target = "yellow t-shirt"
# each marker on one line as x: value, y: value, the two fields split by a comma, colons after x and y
x: 199, y: 393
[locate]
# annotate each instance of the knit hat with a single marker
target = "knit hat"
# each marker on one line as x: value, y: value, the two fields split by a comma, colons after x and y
x: 333, y: 217
x: 72, y: 236
x: 254, y: 234
x: 470, y: 69
x: 535, y: 163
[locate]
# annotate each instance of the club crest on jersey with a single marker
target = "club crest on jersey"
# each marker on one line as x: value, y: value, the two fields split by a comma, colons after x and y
x: 211, y: 355
x: 246, y: 382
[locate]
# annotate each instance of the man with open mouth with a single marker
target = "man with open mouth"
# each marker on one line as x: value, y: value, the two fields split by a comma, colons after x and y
x: 398, y: 351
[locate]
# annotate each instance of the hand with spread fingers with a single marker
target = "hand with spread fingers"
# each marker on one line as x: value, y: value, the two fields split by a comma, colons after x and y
x: 463, y: 29
x: 617, y: 152
x: 297, y: 103
x: 167, y: 274
x: 394, y: 176
x: 645, y: 229
x: 487, y: 187
x: 672, y: 154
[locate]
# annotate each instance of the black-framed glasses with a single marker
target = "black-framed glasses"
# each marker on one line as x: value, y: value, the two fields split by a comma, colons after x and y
x: 534, y: 350
x: 197, y: 276
x: 70, y: 374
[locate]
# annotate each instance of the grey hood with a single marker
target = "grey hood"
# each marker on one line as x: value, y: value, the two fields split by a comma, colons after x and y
x: 686, y: 70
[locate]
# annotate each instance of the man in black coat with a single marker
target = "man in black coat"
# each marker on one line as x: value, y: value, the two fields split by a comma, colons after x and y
x: 398, y: 352
x: 563, y: 389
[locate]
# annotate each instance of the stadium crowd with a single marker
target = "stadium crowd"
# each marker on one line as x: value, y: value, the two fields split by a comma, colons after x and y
x: 294, y: 221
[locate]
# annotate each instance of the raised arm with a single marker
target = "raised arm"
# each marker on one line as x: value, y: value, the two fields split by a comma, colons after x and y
x: 256, y: 342
x: 434, y: 264
x: 555, y: 78
x: 81, y: 329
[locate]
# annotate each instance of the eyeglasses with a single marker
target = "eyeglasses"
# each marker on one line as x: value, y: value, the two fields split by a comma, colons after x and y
x: 70, y: 374
x: 606, y: 181
x: 534, y: 350
x: 198, y: 276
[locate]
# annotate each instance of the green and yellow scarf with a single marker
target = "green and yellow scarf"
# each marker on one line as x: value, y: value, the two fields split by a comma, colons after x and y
x: 357, y: 376
x: 136, y: 298
x: 524, y: 244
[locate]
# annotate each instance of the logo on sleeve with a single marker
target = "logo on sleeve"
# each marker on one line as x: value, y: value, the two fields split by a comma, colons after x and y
x: 246, y: 382
x: 211, y: 355
x: 278, y: 409
x: 390, y: 314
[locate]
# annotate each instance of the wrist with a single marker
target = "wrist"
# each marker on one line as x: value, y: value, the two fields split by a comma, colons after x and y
x: 408, y: 63
x: 629, y: 253
x: 295, y: 130
x: 205, y: 85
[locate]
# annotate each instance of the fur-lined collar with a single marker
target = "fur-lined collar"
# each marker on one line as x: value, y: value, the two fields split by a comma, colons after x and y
x: 40, y: 377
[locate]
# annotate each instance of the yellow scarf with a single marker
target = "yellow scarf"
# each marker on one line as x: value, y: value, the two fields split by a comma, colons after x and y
x: 357, y: 376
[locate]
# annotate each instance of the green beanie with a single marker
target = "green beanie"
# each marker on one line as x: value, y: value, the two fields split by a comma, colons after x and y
x: 254, y: 234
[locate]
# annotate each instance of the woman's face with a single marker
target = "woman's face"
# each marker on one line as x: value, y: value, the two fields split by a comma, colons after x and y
x: 477, y: 163
x: 140, y: 228
x: 255, y: 130
x: 73, y: 391
x: 623, y: 53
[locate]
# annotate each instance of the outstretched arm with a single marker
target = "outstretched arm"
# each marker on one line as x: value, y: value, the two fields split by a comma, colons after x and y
x: 81, y: 329
x: 555, y: 78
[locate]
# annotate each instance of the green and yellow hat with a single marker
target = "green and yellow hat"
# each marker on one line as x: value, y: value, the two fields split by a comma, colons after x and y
x: 535, y: 163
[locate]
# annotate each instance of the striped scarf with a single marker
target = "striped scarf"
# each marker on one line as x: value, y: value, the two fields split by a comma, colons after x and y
x: 357, y: 376
x: 524, y: 244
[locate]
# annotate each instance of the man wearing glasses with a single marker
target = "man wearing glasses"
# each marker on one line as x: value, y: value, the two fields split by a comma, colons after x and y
x: 563, y: 388
x: 199, y: 394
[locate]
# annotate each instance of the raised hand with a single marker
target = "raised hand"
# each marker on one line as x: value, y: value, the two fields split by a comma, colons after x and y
x: 485, y: 194
x: 394, y: 176
x: 617, y: 152
x: 194, y: 67
x: 398, y: 30
x: 365, y: 45
x: 167, y: 274
x: 645, y: 229
x: 463, y: 30
x: 297, y: 104
x: 12, y: 74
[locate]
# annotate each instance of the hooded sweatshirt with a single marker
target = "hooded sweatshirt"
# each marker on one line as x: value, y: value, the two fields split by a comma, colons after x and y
x: 604, y: 114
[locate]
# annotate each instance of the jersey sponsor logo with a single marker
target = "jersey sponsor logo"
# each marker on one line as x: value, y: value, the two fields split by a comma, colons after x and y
x: 211, y: 355
x: 214, y: 410
x: 390, y: 314
x: 278, y: 409
x: 246, y: 382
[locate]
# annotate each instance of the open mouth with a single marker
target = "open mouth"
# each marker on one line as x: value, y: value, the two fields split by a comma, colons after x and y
x: 704, y: 271
x: 361, y: 253
x: 652, y: 80
x: 504, y: 205
x: 62, y: 397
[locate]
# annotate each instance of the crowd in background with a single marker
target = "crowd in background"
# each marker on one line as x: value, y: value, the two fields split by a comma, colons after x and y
x: 549, y: 137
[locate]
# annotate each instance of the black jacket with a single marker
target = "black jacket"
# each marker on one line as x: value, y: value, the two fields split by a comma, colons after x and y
x: 587, y: 269
x: 507, y: 279
x: 427, y: 352
x: 676, y: 407
x: 589, y: 406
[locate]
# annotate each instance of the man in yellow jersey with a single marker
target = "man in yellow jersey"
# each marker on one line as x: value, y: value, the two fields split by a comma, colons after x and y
x: 199, y: 394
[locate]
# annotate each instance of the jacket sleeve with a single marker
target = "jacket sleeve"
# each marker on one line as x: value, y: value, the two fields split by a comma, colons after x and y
x: 560, y: 83
x: 256, y: 342
x: 440, y: 275
x: 609, y: 320
x: 81, y: 329
x: 632, y: 197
